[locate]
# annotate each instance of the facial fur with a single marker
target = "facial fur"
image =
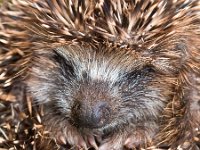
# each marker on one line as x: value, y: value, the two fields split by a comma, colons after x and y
x: 135, y: 94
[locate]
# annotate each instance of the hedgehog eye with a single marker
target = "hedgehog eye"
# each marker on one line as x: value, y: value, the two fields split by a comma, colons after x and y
x: 139, y: 73
x: 65, y: 66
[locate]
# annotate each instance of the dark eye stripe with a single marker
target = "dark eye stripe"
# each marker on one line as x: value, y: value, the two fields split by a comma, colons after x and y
x: 137, y: 73
x: 66, y: 66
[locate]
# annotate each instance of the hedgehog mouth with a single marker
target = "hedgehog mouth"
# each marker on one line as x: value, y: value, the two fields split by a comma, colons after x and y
x: 103, y: 131
x: 95, y: 130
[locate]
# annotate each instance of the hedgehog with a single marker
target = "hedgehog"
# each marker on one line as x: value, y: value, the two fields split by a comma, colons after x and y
x: 102, y: 74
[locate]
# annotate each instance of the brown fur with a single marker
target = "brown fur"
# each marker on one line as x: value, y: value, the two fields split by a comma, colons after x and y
x: 139, y: 58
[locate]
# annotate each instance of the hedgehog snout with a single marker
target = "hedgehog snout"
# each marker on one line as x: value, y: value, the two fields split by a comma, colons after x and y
x: 91, y: 115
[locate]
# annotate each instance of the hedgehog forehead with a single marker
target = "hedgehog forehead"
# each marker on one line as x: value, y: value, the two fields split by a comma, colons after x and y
x: 101, y: 70
x: 97, y: 65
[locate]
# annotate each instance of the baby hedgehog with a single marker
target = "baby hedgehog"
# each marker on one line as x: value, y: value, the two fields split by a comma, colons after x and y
x: 107, y: 74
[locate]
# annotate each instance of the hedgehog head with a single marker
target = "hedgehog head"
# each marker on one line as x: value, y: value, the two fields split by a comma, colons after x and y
x: 110, y: 74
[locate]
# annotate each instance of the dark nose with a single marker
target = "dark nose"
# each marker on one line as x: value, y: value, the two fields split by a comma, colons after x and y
x: 91, y: 116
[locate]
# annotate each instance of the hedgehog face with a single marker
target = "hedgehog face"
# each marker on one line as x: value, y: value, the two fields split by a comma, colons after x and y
x: 109, y: 73
x: 99, y: 91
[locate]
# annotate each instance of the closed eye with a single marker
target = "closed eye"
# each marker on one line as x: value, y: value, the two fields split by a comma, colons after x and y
x: 137, y: 74
x: 65, y: 66
x: 135, y: 80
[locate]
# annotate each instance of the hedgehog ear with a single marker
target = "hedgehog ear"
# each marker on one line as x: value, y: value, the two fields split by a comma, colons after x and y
x: 66, y: 66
